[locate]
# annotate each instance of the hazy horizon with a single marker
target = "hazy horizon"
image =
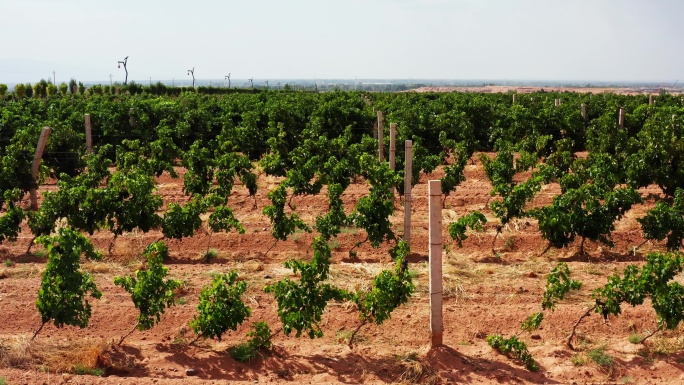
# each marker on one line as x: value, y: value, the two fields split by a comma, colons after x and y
x: 497, y: 40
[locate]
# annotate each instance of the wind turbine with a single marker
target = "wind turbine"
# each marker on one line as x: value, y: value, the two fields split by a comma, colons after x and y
x: 227, y: 77
x: 192, y: 72
x: 124, y: 62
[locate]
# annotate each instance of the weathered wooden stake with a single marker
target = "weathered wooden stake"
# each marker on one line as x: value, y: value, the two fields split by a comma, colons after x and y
x: 74, y: 89
x: 621, y: 119
x: 435, y: 258
x: 381, y: 138
x: 131, y: 119
x: 42, y: 140
x: 88, y: 132
x: 650, y: 100
x: 584, y: 111
x: 513, y: 98
x: 556, y: 103
x: 408, y: 167
x: 393, y: 146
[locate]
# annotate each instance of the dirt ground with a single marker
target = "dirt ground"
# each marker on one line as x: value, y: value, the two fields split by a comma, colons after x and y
x: 485, y: 293
x: 529, y: 89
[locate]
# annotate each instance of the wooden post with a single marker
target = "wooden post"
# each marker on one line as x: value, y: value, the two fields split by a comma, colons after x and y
x: 650, y: 100
x: 381, y: 138
x: 393, y: 146
x: 621, y: 118
x: 42, y: 140
x: 131, y: 119
x: 556, y: 102
x: 408, y: 167
x: 435, y: 258
x: 375, y: 126
x: 584, y: 111
x: 89, y: 137
x: 513, y: 98
x: 74, y: 89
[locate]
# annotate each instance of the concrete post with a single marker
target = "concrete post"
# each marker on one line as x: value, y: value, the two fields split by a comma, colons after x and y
x: 381, y: 138
x: 408, y: 167
x: 435, y: 258
x: 42, y: 141
x: 88, y: 133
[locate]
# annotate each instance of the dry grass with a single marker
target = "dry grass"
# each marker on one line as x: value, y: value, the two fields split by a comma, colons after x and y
x: 59, y: 357
x: 413, y: 371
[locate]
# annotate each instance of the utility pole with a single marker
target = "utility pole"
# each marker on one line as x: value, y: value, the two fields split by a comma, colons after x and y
x: 124, y: 62
x: 111, y: 83
x: 54, y: 81
x: 192, y: 72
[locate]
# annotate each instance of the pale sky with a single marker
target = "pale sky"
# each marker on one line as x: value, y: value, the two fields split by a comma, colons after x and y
x: 601, y: 40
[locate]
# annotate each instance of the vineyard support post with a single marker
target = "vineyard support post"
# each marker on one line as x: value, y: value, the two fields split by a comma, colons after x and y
x: 435, y: 258
x: 513, y: 98
x: 393, y: 146
x: 88, y: 133
x: 650, y: 100
x: 584, y: 111
x: 408, y: 166
x: 42, y: 140
x: 375, y: 126
x: 621, y: 119
x: 381, y: 139
x: 131, y: 118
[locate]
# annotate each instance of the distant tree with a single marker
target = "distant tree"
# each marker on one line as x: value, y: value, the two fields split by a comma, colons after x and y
x: 81, y: 88
x: 72, y: 84
x: 19, y: 91
x: 29, y: 90
x: 63, y: 89
x: 3, y: 91
x: 51, y: 89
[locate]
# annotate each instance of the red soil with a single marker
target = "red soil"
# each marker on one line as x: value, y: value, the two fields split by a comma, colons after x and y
x: 484, y: 294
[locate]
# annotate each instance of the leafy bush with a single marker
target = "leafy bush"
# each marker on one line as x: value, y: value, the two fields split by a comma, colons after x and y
x: 151, y: 293
x: 63, y: 286
x: 220, y: 307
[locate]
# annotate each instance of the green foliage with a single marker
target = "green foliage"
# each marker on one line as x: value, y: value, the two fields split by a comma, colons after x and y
x: 220, y: 307
x: 282, y: 224
x: 391, y: 289
x: 373, y: 211
x: 183, y: 221
x: 329, y: 225
x: 666, y: 221
x: 558, y: 285
x: 453, y: 173
x: 532, y: 322
x: 63, y: 286
x: 10, y: 221
x: 655, y: 280
x: 474, y: 221
x: 150, y: 291
x: 514, y: 347
x: 301, y: 304
x: 260, y: 339
x: 600, y: 357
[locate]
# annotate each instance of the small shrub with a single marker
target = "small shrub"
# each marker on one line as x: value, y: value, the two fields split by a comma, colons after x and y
x: 9, y: 263
x: 634, y: 339
x: 514, y: 347
x: 83, y: 370
x: 260, y: 340
x: 600, y: 357
x: 3, y: 381
x: 578, y: 359
x: 210, y: 255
